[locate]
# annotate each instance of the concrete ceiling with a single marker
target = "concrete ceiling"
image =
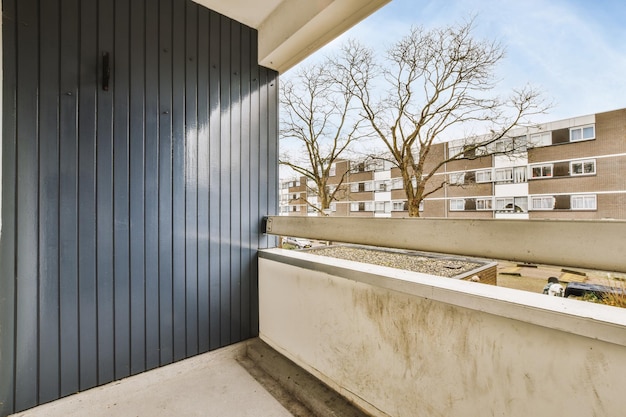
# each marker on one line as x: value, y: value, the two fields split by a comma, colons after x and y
x: 291, y: 30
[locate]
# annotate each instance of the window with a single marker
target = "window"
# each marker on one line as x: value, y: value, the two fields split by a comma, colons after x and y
x: 397, y: 184
x: 362, y: 206
x: 483, y: 176
x: 543, y: 203
x: 354, y: 187
x: 583, y: 167
x: 504, y: 145
x: 457, y: 178
x: 399, y: 206
x: 582, y: 133
x: 541, y: 171
x: 515, y: 204
x: 520, y: 204
x: 333, y: 170
x: 381, y: 186
x: 519, y: 174
x: 504, y: 203
x: 455, y: 151
x: 457, y: 204
x: 469, y: 151
x: 520, y: 143
x: 584, y: 202
x: 504, y: 175
x: 483, y: 204
x: 540, y: 139
x: 382, y: 207
x: 375, y: 165
x: 333, y: 206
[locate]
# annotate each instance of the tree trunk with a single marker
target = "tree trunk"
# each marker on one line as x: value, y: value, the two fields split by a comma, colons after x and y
x: 413, y: 204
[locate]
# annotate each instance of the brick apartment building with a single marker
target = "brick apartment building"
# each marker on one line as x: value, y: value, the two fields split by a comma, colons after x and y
x: 567, y: 169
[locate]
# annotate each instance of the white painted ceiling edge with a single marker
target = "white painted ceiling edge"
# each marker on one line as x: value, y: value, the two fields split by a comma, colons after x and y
x: 291, y: 30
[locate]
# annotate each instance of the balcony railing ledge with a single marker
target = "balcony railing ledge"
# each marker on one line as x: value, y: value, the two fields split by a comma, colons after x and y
x: 595, y: 321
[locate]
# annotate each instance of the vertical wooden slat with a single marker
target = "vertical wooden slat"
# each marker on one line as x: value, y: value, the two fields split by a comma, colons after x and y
x: 235, y: 183
x: 104, y: 197
x: 225, y: 182
x: 215, y: 136
x: 87, y: 243
x: 68, y: 198
x: 137, y: 186
x: 151, y: 206
x: 178, y: 177
x: 204, y: 234
x: 9, y: 189
x: 245, y: 203
x: 165, y: 183
x: 26, y: 271
x: 121, y: 227
x: 191, y: 178
x: 49, y: 366
x: 255, y: 169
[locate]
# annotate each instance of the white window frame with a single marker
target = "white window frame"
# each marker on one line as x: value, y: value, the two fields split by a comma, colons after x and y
x: 507, y: 177
x: 457, y: 178
x: 333, y: 206
x: 333, y: 170
x: 582, y: 129
x: 540, y: 139
x: 542, y: 167
x: 455, y: 203
x: 504, y: 145
x: 454, y: 150
x: 397, y: 184
x: 484, y: 204
x: 582, y: 163
x: 485, y: 175
x: 589, y: 202
x: 543, y: 202
x: 520, y: 174
x: 381, y: 186
x: 398, y: 205
x: 502, y: 202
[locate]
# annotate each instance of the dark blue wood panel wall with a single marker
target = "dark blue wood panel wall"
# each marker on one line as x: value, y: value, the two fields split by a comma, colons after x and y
x: 130, y: 216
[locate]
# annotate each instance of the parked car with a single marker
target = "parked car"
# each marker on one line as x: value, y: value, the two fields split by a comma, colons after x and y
x: 579, y: 289
x: 297, y: 242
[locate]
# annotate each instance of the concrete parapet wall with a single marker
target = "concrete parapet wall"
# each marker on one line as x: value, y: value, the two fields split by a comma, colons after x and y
x: 399, y: 343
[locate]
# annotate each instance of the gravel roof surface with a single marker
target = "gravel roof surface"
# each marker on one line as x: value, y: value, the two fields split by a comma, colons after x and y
x: 415, y: 262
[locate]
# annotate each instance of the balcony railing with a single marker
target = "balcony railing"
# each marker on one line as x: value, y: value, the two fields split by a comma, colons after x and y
x: 399, y: 343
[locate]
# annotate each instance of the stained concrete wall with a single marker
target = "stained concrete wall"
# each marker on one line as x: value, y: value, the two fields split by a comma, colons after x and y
x: 404, y: 344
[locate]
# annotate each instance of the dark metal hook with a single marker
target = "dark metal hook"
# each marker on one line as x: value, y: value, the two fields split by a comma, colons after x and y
x: 106, y: 71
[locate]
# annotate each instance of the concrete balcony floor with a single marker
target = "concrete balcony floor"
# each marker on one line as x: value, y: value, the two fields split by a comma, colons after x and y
x: 245, y: 379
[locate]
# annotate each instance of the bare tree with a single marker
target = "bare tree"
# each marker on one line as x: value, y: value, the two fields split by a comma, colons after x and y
x: 316, y: 114
x: 432, y: 82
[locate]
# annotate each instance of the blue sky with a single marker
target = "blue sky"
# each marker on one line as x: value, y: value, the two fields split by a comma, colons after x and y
x: 573, y: 50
